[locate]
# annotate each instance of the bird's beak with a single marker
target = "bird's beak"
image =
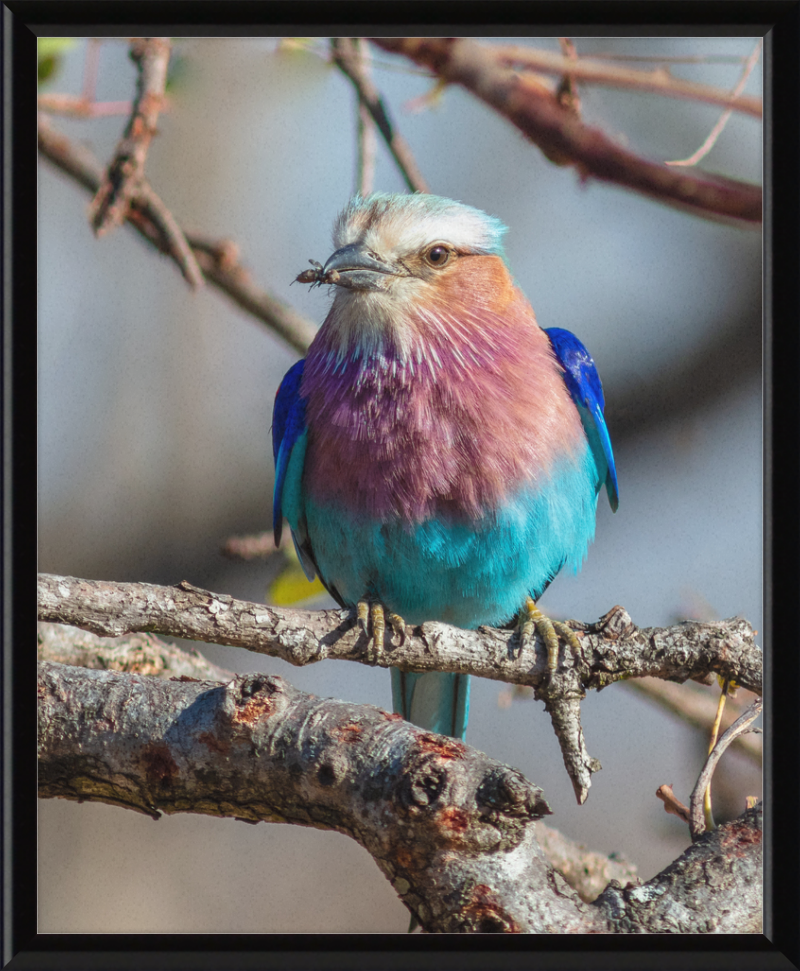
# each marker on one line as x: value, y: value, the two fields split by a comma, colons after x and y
x: 356, y: 268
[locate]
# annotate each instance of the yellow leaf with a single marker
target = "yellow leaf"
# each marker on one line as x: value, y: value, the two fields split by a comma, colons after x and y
x: 292, y: 587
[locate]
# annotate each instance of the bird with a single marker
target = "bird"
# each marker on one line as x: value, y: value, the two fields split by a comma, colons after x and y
x: 438, y: 455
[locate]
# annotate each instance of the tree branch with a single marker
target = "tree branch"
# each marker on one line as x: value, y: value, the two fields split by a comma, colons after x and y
x: 742, y: 724
x: 125, y: 172
x: 585, y: 871
x: 216, y: 258
x: 347, y: 59
x: 659, y: 81
x: 451, y: 829
x: 124, y: 181
x: 536, y: 112
x: 137, y: 654
x: 611, y: 650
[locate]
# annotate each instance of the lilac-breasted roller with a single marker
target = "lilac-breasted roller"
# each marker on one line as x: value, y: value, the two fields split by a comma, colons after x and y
x: 438, y: 455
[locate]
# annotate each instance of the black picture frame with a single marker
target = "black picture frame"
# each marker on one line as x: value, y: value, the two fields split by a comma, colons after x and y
x: 780, y: 945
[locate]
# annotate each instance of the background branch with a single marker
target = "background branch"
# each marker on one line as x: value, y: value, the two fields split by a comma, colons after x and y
x: 137, y: 654
x: 659, y: 81
x: 124, y: 179
x: 213, y: 257
x: 346, y: 58
x: 536, y: 112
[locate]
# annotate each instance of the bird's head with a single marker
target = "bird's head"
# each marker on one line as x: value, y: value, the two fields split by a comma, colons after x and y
x: 399, y: 256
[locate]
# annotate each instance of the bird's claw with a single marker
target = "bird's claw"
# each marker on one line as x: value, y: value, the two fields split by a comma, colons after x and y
x: 372, y: 618
x: 549, y: 630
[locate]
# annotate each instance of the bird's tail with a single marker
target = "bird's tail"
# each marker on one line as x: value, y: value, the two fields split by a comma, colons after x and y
x: 436, y: 701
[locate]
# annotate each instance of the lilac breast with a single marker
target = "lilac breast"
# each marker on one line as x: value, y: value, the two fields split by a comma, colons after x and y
x: 447, y: 428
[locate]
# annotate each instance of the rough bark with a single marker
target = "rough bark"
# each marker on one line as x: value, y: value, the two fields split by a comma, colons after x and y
x: 453, y: 830
x: 715, y: 887
x: 611, y: 650
x: 585, y: 871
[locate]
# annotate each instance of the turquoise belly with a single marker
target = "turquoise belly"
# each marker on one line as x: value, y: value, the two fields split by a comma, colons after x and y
x: 462, y: 573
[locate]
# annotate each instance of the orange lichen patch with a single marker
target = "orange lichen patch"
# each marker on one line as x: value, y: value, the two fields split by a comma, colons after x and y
x: 256, y: 707
x: 392, y: 716
x: 485, y: 914
x: 214, y: 743
x: 159, y: 766
x: 455, y: 820
x: 738, y: 837
x: 404, y: 858
x: 348, y: 733
x: 445, y: 748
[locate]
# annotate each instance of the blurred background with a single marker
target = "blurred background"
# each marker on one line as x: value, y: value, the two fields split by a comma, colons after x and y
x: 154, y: 413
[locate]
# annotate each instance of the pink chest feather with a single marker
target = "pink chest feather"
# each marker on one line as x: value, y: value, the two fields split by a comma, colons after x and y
x: 470, y: 410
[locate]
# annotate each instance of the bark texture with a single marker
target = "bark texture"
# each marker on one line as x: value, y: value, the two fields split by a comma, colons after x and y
x: 611, y: 650
x: 453, y: 830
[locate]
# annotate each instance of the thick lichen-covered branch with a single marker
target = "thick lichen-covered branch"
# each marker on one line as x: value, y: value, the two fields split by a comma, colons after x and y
x: 451, y: 829
x: 586, y: 871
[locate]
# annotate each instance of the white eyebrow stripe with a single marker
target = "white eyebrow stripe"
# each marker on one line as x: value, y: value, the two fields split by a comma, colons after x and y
x: 397, y: 224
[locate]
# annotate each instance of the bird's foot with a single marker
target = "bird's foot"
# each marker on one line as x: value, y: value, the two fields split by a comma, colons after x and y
x: 549, y: 630
x: 372, y: 618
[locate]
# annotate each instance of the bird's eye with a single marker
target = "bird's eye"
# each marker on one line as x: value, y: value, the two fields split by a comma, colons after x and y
x: 438, y: 255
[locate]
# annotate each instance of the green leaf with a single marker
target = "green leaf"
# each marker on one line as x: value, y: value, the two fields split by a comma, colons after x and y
x: 48, y: 54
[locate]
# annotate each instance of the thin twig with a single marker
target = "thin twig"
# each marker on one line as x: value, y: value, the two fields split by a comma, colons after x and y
x: 256, y: 546
x: 126, y: 171
x: 539, y: 116
x: 741, y: 725
x: 367, y: 141
x: 76, y: 106
x: 659, y: 81
x: 346, y: 59
x: 707, y: 810
x: 214, y: 257
x: 722, y: 121
x: 695, y: 707
x: 671, y: 802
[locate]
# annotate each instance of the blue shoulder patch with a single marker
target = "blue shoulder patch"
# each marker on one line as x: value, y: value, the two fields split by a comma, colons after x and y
x: 583, y: 383
x: 288, y: 424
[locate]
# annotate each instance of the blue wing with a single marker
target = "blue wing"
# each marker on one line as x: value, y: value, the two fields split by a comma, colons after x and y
x: 583, y: 383
x: 288, y: 450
